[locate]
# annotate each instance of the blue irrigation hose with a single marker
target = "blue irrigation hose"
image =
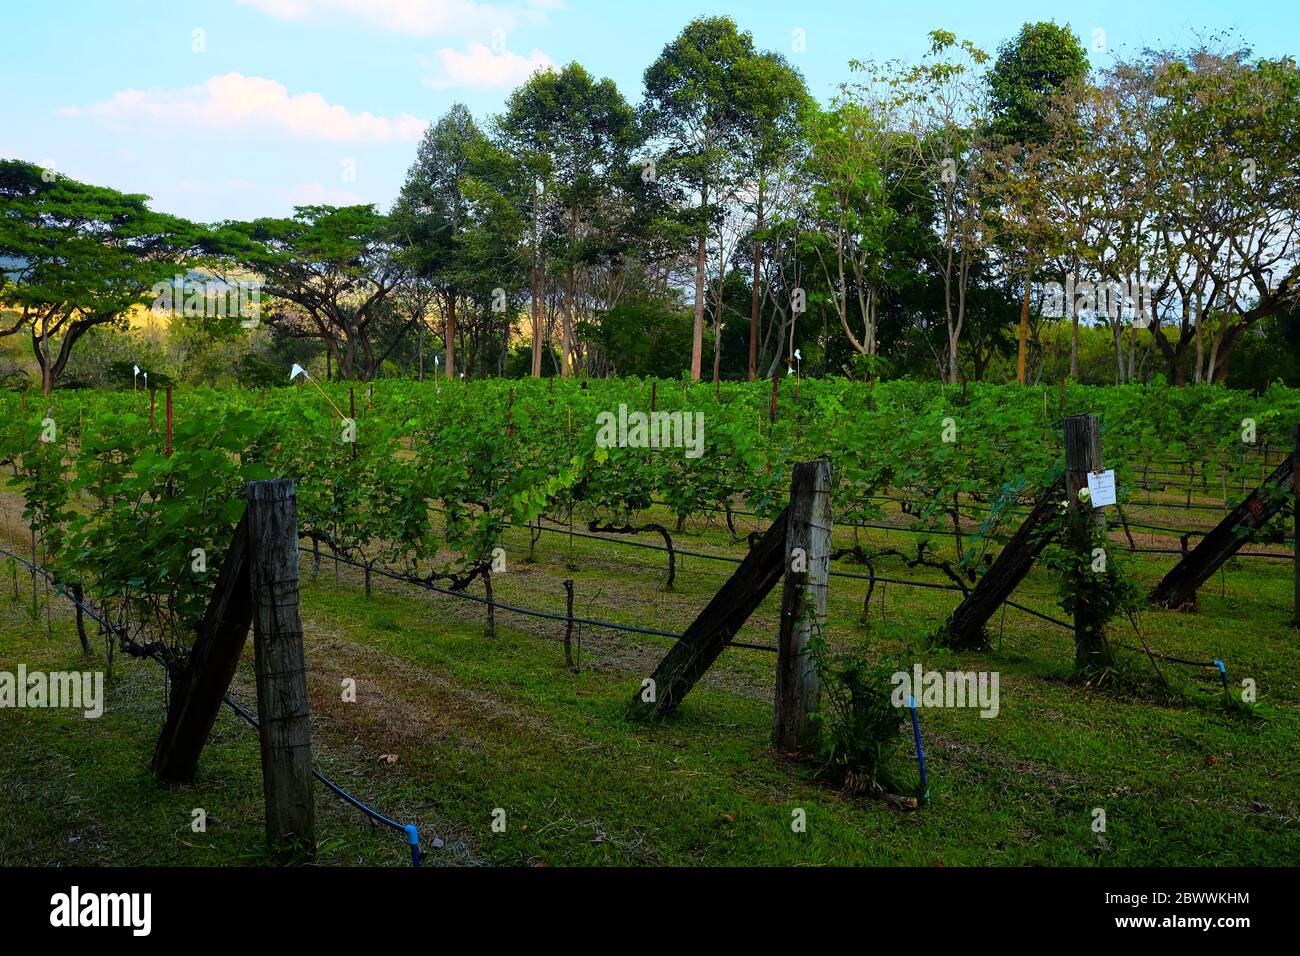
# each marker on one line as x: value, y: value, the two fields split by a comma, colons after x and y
x: 413, y: 838
x: 412, y: 834
x: 920, y: 751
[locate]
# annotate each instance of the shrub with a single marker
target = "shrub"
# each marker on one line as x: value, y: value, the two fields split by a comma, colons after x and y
x: 859, y: 729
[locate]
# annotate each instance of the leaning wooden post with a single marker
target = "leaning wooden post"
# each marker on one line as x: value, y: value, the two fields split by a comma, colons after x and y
x: 1082, y: 456
x: 281, y: 672
x: 803, y: 606
x: 1295, y: 506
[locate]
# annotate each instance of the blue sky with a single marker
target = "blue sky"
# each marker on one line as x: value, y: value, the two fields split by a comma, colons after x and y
x: 278, y: 102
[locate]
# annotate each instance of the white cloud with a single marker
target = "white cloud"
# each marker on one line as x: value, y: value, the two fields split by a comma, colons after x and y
x: 232, y: 103
x: 480, y: 68
x: 414, y: 17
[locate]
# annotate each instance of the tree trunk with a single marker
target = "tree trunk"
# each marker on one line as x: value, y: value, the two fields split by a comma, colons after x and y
x: 1022, y: 350
x: 450, y: 335
x: 537, y: 321
x: 697, y: 332
x: 566, y: 329
x: 754, y: 295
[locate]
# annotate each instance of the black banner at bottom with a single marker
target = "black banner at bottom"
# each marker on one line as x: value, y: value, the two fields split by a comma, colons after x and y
x: 311, y: 904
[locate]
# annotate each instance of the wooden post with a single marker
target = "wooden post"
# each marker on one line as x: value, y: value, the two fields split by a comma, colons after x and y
x: 568, y: 625
x: 965, y: 627
x: 281, y: 673
x: 1082, y: 456
x: 1295, y: 506
x: 771, y: 414
x: 199, y: 686
x: 1177, y: 590
x: 803, y: 606
x: 709, y: 634
x: 169, y: 421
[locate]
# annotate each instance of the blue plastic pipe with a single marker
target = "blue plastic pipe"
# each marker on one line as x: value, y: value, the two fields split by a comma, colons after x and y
x: 413, y: 838
x: 920, y: 751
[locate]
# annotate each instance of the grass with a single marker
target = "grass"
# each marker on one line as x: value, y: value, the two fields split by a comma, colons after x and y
x: 481, y: 725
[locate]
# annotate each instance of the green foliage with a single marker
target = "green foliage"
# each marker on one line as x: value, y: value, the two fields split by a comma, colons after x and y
x: 1041, y: 61
x: 439, y: 471
x: 643, y: 338
x: 859, y: 728
x: 77, y: 257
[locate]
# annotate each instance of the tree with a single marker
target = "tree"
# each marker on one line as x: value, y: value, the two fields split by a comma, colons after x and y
x: 1229, y: 204
x: 852, y: 164
x: 775, y: 100
x: 582, y: 132
x: 434, y: 211
x: 946, y: 104
x: 74, y: 257
x: 334, y: 268
x: 1041, y: 62
x: 496, y: 191
x: 693, y: 107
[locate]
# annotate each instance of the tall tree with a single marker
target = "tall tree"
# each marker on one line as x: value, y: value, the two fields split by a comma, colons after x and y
x: 945, y: 99
x: 75, y: 256
x: 774, y: 100
x: 1042, y: 61
x: 584, y: 132
x: 693, y: 108
x: 432, y: 195
x: 336, y: 268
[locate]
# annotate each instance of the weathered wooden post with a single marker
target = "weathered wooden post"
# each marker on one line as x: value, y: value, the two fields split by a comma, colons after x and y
x: 281, y: 673
x: 169, y: 421
x: 199, y: 686
x: 1083, y: 456
x: 1177, y: 590
x: 803, y: 605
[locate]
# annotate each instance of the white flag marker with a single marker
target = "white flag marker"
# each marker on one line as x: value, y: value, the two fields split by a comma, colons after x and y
x: 299, y: 370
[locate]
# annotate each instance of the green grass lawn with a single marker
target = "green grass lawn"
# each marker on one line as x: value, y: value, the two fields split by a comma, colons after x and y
x: 479, y: 725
